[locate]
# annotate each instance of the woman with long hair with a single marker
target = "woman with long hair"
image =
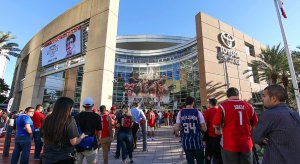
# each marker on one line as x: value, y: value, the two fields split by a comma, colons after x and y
x: 125, y: 123
x: 60, y: 134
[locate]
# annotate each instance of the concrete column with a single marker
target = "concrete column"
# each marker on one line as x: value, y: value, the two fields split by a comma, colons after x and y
x: 32, y: 94
x: 70, y: 82
x: 100, y: 56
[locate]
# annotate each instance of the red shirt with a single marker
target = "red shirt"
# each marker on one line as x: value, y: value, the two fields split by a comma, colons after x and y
x: 209, y: 117
x: 239, y: 117
x: 113, y: 117
x: 105, y: 132
x: 37, y: 119
x: 151, y: 120
x: 166, y: 115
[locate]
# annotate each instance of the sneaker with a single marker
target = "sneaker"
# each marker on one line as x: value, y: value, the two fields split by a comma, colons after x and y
x: 153, y: 139
x: 131, y: 161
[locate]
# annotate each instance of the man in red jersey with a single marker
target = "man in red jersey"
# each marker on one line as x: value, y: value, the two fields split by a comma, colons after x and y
x: 106, y: 134
x: 236, y: 118
x: 166, y: 118
x: 37, y: 120
x: 112, y: 115
x: 213, y: 148
x: 151, y: 124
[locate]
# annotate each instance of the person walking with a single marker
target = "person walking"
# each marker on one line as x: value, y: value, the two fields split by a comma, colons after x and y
x: 160, y: 115
x: 106, y: 135
x: 137, y: 115
x: 25, y: 128
x: 112, y: 115
x: 151, y: 124
x: 213, y: 147
x: 3, y: 120
x: 166, y: 118
x: 37, y: 119
x: 125, y: 124
x: 236, y: 118
x: 278, y: 128
x: 48, y: 111
x: 90, y: 123
x: 192, y: 122
x: 60, y: 134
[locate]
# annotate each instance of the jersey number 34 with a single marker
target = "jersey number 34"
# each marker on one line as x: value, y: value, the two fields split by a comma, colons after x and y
x: 187, y: 127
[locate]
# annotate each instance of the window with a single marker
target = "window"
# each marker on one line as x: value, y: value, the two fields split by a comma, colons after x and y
x: 253, y: 74
x: 249, y: 49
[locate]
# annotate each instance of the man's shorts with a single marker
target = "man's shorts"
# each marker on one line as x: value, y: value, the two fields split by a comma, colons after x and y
x: 150, y: 129
x: 90, y: 155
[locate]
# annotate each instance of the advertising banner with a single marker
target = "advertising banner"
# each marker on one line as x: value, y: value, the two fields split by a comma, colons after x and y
x: 61, y: 47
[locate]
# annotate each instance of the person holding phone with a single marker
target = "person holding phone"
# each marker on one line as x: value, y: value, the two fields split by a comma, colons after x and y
x: 60, y: 134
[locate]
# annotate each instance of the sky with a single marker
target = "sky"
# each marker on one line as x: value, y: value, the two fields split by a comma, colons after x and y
x: 256, y: 18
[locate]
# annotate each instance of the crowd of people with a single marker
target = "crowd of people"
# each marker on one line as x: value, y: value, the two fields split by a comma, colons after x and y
x: 225, y: 133
x: 63, y: 135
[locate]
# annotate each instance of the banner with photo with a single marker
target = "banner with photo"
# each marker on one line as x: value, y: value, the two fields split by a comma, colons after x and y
x: 61, y: 47
x: 147, y: 90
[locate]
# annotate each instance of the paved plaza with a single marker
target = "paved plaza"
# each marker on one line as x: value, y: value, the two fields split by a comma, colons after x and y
x: 165, y: 149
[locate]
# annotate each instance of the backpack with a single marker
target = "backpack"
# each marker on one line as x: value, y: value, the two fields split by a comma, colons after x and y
x: 87, y: 143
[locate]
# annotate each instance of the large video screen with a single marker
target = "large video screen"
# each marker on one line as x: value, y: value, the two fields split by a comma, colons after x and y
x: 61, y: 47
x: 147, y: 90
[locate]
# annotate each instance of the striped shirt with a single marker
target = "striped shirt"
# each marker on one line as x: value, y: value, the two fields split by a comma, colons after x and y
x: 190, y: 120
x: 281, y: 126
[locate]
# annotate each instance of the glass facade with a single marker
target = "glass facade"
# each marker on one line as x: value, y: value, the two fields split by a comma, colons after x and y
x: 54, y: 88
x: 161, y: 82
x: 158, y: 80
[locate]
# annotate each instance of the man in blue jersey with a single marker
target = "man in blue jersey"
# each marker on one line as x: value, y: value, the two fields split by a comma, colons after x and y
x: 23, y: 137
x: 192, y: 122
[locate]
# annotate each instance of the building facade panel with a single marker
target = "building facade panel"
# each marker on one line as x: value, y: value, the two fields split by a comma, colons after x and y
x: 225, y: 28
x: 156, y: 71
x: 35, y: 82
x: 232, y: 47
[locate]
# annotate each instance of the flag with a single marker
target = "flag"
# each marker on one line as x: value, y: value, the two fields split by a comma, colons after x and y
x: 280, y: 3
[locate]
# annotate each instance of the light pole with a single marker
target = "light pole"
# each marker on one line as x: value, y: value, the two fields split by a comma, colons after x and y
x: 225, y: 58
x: 290, y: 61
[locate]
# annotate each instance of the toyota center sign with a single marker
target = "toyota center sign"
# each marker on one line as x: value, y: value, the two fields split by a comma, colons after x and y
x: 226, y: 51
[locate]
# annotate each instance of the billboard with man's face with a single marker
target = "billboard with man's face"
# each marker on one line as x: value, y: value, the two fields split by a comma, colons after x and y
x: 61, y: 47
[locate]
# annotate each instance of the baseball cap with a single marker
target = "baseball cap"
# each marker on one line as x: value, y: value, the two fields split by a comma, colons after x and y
x: 88, y: 102
x: 113, y: 108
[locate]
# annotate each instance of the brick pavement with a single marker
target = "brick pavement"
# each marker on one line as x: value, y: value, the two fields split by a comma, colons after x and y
x: 165, y: 149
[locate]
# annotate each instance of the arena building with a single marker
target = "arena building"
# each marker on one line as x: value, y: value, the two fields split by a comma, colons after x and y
x: 78, y: 55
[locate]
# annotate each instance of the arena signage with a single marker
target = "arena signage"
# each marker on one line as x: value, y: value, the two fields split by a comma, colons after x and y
x: 64, y: 46
x: 226, y: 50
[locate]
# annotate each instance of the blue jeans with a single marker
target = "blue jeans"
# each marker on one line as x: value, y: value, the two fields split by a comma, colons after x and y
x: 118, y: 146
x: 38, y: 144
x: 125, y: 139
x: 192, y: 154
x: 22, y: 144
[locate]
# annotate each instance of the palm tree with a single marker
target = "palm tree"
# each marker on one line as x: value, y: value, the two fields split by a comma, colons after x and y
x: 268, y: 65
x: 272, y: 65
x: 8, y: 48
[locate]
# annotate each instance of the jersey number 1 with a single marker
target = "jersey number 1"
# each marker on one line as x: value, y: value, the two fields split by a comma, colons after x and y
x: 241, y: 117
